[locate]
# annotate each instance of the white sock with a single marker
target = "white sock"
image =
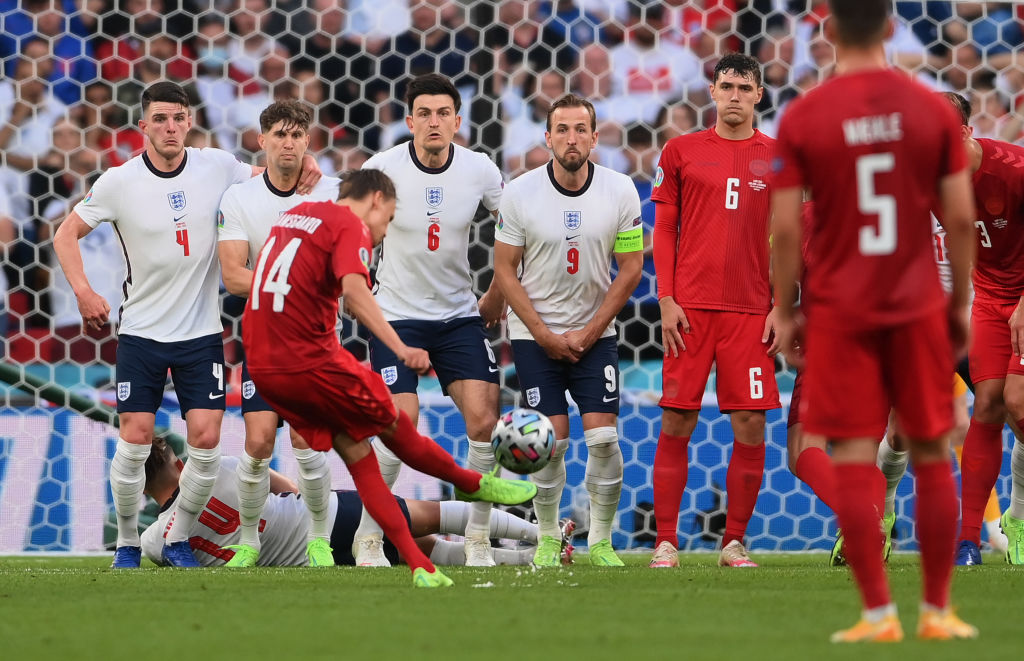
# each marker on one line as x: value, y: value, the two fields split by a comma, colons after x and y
x: 389, y: 465
x: 195, y: 487
x: 876, y: 615
x: 127, y: 481
x: 453, y: 553
x: 550, y: 482
x: 481, y: 459
x: 315, y: 488
x: 454, y: 516
x: 253, y: 482
x: 893, y: 465
x: 1017, y: 480
x: 603, y: 478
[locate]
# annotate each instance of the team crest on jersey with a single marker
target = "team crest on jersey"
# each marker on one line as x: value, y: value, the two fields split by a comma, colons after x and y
x: 364, y: 257
x: 659, y: 176
x: 248, y: 389
x: 124, y: 390
x: 435, y: 194
x: 176, y: 200
x: 999, y: 223
x: 533, y: 396
x: 573, y: 219
x: 759, y: 167
x: 390, y: 375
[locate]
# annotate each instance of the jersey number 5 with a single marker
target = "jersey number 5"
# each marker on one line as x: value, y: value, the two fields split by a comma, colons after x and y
x: 277, y: 277
x: 881, y: 239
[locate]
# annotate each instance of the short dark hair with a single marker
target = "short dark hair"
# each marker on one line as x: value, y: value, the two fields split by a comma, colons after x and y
x: 431, y: 83
x: 357, y: 184
x: 572, y: 101
x: 291, y: 111
x: 741, y: 65
x: 960, y: 104
x: 160, y: 455
x: 860, y: 22
x: 164, y: 92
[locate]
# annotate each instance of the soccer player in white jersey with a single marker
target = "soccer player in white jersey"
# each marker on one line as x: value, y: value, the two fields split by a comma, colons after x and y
x: 163, y: 206
x: 424, y: 288
x: 559, y: 227
x: 285, y: 525
x: 247, y: 212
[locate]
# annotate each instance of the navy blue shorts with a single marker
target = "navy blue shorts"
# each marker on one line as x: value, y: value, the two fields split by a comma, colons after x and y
x: 350, y: 510
x: 593, y: 382
x: 458, y: 350
x: 197, y: 371
x: 252, y: 401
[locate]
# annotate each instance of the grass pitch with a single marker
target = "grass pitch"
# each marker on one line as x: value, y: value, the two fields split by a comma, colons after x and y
x: 76, y: 608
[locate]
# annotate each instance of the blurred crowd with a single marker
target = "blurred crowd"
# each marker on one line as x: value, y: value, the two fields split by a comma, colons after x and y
x: 73, y: 71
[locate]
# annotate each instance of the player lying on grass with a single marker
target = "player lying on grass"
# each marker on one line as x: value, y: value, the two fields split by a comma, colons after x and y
x: 285, y: 526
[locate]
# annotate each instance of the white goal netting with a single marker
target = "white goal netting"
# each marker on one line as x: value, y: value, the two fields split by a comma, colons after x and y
x: 74, y: 70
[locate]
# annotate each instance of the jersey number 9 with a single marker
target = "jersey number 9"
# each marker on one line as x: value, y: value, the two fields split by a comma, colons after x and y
x: 573, y: 257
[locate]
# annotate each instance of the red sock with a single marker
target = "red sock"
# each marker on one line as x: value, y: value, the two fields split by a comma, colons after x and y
x: 862, y: 534
x: 814, y: 468
x: 742, y: 484
x: 384, y: 509
x: 426, y: 456
x: 936, y: 528
x: 670, y: 464
x: 979, y: 470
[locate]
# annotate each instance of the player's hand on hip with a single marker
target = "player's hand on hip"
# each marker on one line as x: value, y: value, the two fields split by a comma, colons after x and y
x: 557, y: 348
x: 94, y: 309
x: 769, y: 336
x: 418, y: 360
x: 673, y: 320
x: 1017, y: 329
x: 492, y: 309
x: 309, y: 175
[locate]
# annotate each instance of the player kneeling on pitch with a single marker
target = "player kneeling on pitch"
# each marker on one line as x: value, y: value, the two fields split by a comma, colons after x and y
x: 314, y: 254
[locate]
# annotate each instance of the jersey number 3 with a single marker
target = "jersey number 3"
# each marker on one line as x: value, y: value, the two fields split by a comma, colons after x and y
x: 277, y: 276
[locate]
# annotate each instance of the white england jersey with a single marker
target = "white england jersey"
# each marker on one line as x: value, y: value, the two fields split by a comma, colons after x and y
x: 423, y: 272
x: 167, y: 226
x: 283, y: 526
x: 248, y: 210
x: 568, y: 238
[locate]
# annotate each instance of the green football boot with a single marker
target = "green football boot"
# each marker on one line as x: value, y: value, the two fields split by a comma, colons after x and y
x: 548, y: 553
x: 320, y: 553
x: 421, y: 578
x: 888, y: 523
x: 494, y: 489
x: 1014, y: 531
x: 245, y: 556
x: 603, y: 555
x: 837, y: 559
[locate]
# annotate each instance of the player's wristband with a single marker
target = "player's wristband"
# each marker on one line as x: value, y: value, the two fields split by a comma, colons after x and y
x: 630, y: 240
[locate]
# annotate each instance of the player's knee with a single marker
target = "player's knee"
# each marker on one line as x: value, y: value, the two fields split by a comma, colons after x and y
x: 989, y: 407
x: 748, y: 426
x: 1013, y: 398
x: 260, y: 444
x: 205, y: 437
x: 677, y: 422
x: 480, y: 428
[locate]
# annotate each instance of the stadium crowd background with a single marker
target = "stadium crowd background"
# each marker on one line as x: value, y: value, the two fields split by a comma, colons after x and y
x: 73, y: 71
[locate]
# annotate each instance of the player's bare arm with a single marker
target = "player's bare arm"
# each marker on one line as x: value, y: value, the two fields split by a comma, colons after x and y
x: 94, y: 308
x: 234, y: 257
x: 360, y: 303
x: 957, y: 199
x: 506, y: 264
x: 630, y: 270
x: 492, y: 304
x: 281, y: 483
x: 788, y: 263
x: 770, y: 337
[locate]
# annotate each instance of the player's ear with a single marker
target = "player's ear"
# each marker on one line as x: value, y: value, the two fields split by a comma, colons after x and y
x: 547, y: 138
x: 829, y: 30
x: 890, y: 28
x: 408, y: 122
x: 261, y: 140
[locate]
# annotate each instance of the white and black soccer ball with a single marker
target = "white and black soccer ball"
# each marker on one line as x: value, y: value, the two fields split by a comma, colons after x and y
x: 523, y: 441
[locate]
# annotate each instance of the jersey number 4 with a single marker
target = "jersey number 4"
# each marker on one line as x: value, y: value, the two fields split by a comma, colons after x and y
x: 277, y: 276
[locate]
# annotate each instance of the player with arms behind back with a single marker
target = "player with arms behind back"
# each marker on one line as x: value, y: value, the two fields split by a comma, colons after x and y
x: 561, y: 224
x: 425, y: 289
x: 163, y: 205
x: 876, y: 151
x: 247, y: 212
x: 314, y: 254
x: 711, y: 257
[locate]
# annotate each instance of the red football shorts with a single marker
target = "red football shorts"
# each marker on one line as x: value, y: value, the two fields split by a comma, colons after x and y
x: 853, y: 377
x: 341, y: 395
x: 991, y: 355
x: 732, y: 341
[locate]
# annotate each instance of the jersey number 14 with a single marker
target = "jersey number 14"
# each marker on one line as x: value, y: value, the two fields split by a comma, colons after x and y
x: 277, y: 276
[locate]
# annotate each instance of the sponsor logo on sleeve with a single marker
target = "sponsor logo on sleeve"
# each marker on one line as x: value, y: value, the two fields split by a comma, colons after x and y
x: 364, y: 256
x: 220, y: 218
x: 501, y: 221
x: 88, y: 196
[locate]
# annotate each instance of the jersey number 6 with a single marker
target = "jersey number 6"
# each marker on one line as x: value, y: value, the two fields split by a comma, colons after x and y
x: 433, y: 237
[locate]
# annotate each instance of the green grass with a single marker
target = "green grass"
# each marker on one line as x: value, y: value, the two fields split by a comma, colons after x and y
x: 75, y: 608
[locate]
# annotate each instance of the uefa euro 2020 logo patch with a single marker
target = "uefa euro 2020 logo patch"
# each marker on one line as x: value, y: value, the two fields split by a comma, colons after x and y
x: 176, y: 200
x: 435, y: 194
x: 390, y: 375
x: 220, y: 218
x: 659, y: 176
x: 364, y: 257
x: 501, y: 221
x: 573, y: 219
x: 88, y: 196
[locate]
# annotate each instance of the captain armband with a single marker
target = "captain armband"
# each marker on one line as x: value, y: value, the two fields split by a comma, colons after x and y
x: 631, y: 240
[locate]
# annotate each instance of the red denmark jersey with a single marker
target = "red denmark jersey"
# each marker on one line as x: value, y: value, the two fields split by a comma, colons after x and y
x: 872, y: 147
x: 290, y: 317
x: 721, y: 188
x: 999, y: 201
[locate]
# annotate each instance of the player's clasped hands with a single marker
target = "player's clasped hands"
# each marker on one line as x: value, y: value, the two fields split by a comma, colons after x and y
x: 673, y: 320
x: 561, y: 347
x: 418, y: 360
x: 94, y: 309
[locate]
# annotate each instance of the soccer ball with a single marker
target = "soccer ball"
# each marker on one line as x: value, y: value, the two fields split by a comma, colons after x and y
x: 523, y: 441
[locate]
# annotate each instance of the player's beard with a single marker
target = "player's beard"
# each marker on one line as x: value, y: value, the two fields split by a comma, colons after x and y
x: 572, y: 162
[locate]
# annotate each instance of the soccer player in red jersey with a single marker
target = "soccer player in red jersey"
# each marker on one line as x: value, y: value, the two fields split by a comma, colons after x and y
x: 711, y: 256
x: 997, y: 338
x: 314, y: 253
x: 877, y: 151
